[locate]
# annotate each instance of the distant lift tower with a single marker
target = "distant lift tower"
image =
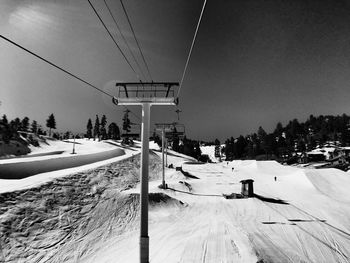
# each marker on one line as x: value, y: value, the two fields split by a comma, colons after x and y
x: 178, y: 131
x: 164, y: 127
x: 146, y: 95
x: 178, y: 114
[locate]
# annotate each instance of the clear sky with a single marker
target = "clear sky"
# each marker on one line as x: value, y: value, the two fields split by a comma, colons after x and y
x: 254, y: 63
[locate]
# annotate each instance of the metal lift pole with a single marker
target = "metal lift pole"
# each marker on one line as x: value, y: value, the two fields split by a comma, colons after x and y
x: 163, y: 127
x: 144, y: 239
x: 163, y: 168
x: 166, y: 153
x: 129, y: 94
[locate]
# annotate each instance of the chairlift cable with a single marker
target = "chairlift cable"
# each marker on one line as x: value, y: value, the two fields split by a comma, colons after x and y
x: 115, y: 42
x: 124, y: 39
x: 132, y: 113
x: 56, y: 66
x: 60, y: 68
x: 137, y: 42
x: 190, y: 52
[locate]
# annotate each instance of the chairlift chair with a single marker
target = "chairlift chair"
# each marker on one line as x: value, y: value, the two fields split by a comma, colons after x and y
x: 178, y: 130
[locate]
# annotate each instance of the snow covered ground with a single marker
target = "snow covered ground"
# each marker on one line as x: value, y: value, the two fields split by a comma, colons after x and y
x: 82, y: 147
x: 297, y: 215
x: 303, y: 216
x: 210, y: 151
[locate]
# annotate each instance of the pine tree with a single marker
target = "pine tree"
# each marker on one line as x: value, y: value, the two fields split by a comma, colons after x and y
x: 56, y: 135
x: 157, y: 139
x: 113, y: 131
x: 294, y: 129
x: 126, y: 126
x: 97, y: 128
x: 270, y: 144
x: 126, y: 122
x: 240, y: 146
x: 197, y: 150
x: 117, y: 132
x: 4, y: 119
x: 51, y: 123
x: 103, y: 127
x: 89, y: 129
x: 229, y: 146
x: 34, y: 127
x: 66, y: 135
x: 261, y: 133
x: 25, y: 124
x: 40, y: 130
x: 175, y: 140
x: 279, y: 129
x: 15, y: 124
x: 217, y: 148
x: 262, y: 139
x: 5, y: 130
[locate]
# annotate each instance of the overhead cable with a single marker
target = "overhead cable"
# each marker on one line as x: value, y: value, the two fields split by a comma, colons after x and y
x: 54, y: 65
x: 137, y: 42
x: 124, y: 39
x: 190, y: 52
x: 61, y: 69
x: 115, y: 42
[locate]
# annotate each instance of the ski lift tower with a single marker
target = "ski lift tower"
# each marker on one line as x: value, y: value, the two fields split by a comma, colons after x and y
x: 164, y: 127
x: 145, y: 94
x: 178, y: 130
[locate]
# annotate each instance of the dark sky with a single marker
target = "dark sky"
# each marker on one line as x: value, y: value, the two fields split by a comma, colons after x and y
x: 254, y: 63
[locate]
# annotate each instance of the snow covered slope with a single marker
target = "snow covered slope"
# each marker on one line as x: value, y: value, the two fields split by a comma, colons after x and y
x: 96, y: 154
x: 297, y: 215
x: 300, y: 217
x: 210, y: 151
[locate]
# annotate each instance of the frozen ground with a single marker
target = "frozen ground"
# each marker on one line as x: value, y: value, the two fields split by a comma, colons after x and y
x: 55, y: 149
x: 88, y: 150
x: 93, y: 216
x: 303, y: 216
x: 69, y: 217
x: 210, y: 151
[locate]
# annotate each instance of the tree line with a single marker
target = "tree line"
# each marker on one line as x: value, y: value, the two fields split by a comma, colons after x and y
x: 9, y: 129
x: 99, y: 130
x: 188, y: 147
x: 294, y: 137
x: 185, y: 146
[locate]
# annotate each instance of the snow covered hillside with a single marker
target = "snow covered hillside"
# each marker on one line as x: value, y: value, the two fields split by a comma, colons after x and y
x: 297, y: 215
x: 303, y: 216
x: 53, y: 159
x: 210, y: 151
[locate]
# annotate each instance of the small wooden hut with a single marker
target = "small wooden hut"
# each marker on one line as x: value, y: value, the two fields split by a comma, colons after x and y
x: 247, y: 188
